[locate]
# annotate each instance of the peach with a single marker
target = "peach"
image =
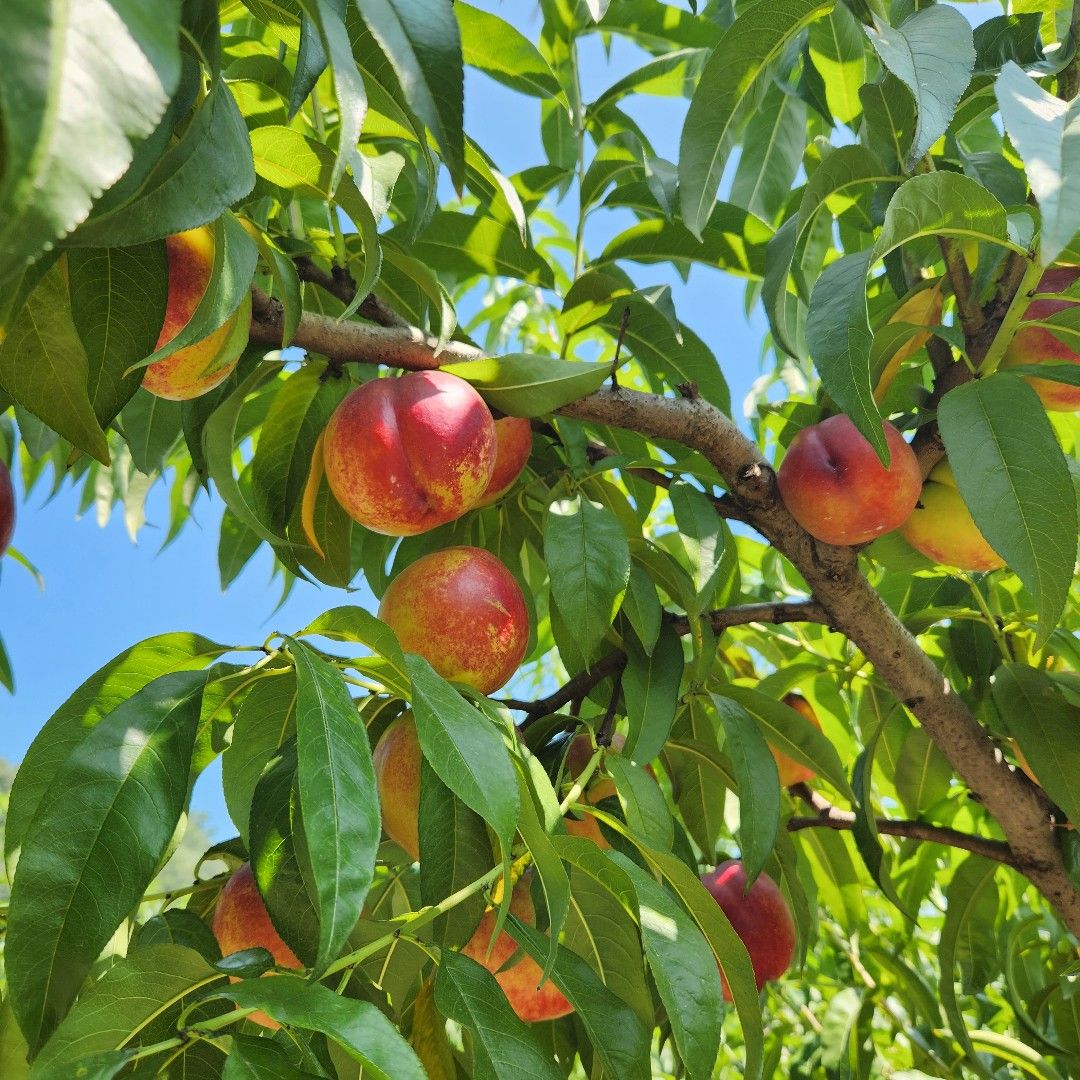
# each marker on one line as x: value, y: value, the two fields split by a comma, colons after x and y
x: 761, y: 918
x: 836, y: 488
x: 942, y: 528
x: 521, y: 982
x: 241, y: 921
x: 198, y: 368
x: 7, y: 508
x: 790, y: 770
x: 462, y: 610
x: 397, y: 772
x: 404, y: 455
x: 513, y: 436
x: 1036, y: 344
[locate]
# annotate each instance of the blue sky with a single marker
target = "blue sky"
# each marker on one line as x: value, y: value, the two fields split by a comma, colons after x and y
x: 102, y: 593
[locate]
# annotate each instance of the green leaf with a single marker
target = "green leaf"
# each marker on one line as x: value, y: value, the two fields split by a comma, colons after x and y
x: 651, y: 683
x: 646, y: 811
x: 619, y: 1038
x: 422, y: 41
x: 506, y: 1046
x: 265, y: 720
x: 839, y: 337
x: 300, y: 410
x: 1044, y: 723
x: 727, y: 947
x: 923, y: 773
x: 972, y: 903
x: 44, y: 368
x: 136, y: 991
x: 357, y: 1026
x: 121, y: 678
x: 997, y: 436
x: 758, y: 780
x: 98, y: 838
x: 495, y: 47
x: 237, y: 545
x: 729, y: 238
x: 521, y: 384
x: 837, y: 49
x: 588, y: 560
x: 702, y: 533
x: 1046, y: 132
x: 72, y: 111
x: 177, y: 926
x: 641, y: 605
x: 454, y: 851
x: 101, y: 1066
x: 1008, y: 37
x: 219, y: 441
x: 279, y: 855
x: 793, y: 735
x: 943, y: 204
x: 772, y: 150
x: 151, y: 427
x: 936, y: 73
x: 726, y: 92
x: 465, y: 246
x: 259, y: 1059
x: 464, y: 749
x: 193, y: 183
x: 356, y: 624
x: 684, y: 969
x: 328, y: 17
x: 118, y: 298
x: 338, y: 796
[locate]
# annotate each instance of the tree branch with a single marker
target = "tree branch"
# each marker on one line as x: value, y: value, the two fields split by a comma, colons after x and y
x: 967, y: 307
x: 832, y: 817
x: 831, y: 574
x: 339, y: 282
x: 614, y: 662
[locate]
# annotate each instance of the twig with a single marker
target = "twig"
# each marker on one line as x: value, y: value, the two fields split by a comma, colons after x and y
x: 1069, y: 80
x: 607, y: 725
x: 971, y: 315
x: 832, y: 817
x: 723, y: 505
x: 614, y: 662
x: 339, y: 282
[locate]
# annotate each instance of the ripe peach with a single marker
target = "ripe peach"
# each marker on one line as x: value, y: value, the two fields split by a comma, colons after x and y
x: 241, y: 921
x: 181, y: 375
x: 520, y: 983
x: 790, y: 770
x: 397, y: 771
x: 407, y: 454
x: 761, y: 917
x: 1035, y: 344
x: 462, y: 610
x: 942, y: 528
x: 836, y: 488
x: 513, y: 436
x: 7, y: 508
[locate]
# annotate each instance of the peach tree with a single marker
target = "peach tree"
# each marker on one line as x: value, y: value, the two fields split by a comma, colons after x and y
x: 224, y: 224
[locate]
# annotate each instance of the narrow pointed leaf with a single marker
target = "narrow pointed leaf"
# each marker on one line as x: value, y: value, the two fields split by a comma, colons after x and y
x: 338, y: 796
x: 104, y: 824
x: 998, y: 437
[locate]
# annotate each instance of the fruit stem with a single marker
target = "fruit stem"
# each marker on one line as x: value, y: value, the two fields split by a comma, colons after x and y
x: 1013, y: 316
x: 414, y: 921
x: 988, y: 615
x: 581, y: 782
